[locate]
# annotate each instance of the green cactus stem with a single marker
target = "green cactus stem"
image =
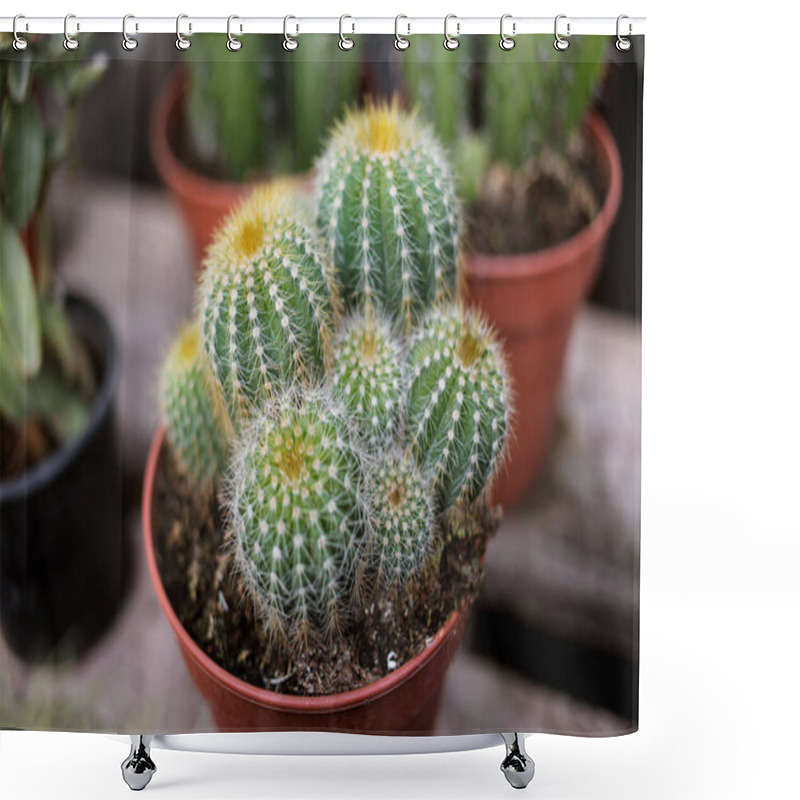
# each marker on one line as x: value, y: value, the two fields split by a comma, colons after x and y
x: 266, y: 302
x: 401, y: 513
x: 367, y: 376
x: 535, y: 97
x: 387, y: 207
x: 195, y: 420
x: 457, y: 404
x: 295, y: 505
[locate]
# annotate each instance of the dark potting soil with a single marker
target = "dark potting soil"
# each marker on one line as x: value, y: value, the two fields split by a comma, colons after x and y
x: 203, y: 589
x: 545, y: 202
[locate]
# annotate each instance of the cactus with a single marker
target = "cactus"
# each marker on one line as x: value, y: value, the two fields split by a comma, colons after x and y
x: 266, y: 300
x: 258, y: 112
x: 535, y: 97
x: 457, y: 403
x: 437, y: 82
x: 401, y: 515
x: 367, y: 376
x: 386, y: 204
x: 296, y: 510
x: 194, y: 418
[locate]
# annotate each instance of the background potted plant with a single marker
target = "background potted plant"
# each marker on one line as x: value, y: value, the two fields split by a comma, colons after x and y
x: 231, y: 119
x: 61, y: 564
x: 315, y: 516
x: 541, y: 179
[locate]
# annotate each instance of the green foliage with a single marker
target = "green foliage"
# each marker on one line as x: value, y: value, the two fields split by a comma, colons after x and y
x: 437, y: 82
x: 530, y: 98
x: 458, y: 403
x: 19, y: 318
x: 46, y: 375
x: 535, y: 98
x: 23, y: 160
x: 387, y: 206
x: 196, y: 423
x: 266, y: 305
x: 401, y: 515
x: 323, y: 82
x: 260, y: 111
x: 224, y: 101
x: 367, y: 376
x: 297, y: 515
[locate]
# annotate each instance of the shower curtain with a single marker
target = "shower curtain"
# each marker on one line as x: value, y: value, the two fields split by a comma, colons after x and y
x: 320, y: 385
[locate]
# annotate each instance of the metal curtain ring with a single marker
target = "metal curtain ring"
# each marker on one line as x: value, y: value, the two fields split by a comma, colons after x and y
x: 345, y: 42
x: 70, y: 42
x: 401, y: 42
x: 506, y: 42
x: 20, y: 43
x: 181, y: 42
x: 234, y: 44
x: 623, y: 43
x: 451, y: 42
x: 289, y: 42
x: 128, y: 42
x: 560, y: 43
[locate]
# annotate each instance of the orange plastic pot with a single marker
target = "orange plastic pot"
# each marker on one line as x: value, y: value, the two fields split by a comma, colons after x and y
x: 405, y: 701
x: 533, y: 299
x: 204, y: 202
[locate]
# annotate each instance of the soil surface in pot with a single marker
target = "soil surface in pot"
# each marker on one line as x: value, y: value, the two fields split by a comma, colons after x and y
x: 202, y: 587
x: 545, y: 202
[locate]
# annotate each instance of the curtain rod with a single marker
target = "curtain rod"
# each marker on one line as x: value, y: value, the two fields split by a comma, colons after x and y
x: 350, y: 25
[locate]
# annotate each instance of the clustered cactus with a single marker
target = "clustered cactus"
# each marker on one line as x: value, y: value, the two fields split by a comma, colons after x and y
x: 361, y: 408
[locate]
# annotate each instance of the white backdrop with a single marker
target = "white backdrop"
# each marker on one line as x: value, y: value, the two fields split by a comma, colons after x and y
x: 720, y: 695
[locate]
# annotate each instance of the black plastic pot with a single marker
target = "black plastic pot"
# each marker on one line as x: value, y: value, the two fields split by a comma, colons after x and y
x: 63, y: 550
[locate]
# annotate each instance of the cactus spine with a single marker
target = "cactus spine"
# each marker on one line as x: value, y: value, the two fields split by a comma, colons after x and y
x: 457, y: 403
x: 367, y: 376
x: 266, y: 300
x: 296, y: 510
x: 402, y: 518
x: 194, y: 417
x: 387, y: 206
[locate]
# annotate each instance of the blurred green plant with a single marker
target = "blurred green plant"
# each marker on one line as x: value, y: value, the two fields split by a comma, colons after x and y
x: 256, y: 111
x: 513, y: 106
x: 46, y: 377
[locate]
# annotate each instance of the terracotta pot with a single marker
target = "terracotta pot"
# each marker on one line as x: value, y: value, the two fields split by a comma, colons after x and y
x: 532, y: 299
x: 204, y: 202
x: 405, y: 701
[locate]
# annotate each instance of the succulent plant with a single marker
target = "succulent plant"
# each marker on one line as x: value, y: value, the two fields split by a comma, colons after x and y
x: 297, y: 515
x: 256, y: 112
x: 47, y: 379
x: 367, y: 375
x: 196, y: 423
x: 401, y: 514
x: 535, y: 97
x: 266, y: 302
x: 387, y: 206
x: 437, y: 82
x: 344, y: 449
x: 457, y: 403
